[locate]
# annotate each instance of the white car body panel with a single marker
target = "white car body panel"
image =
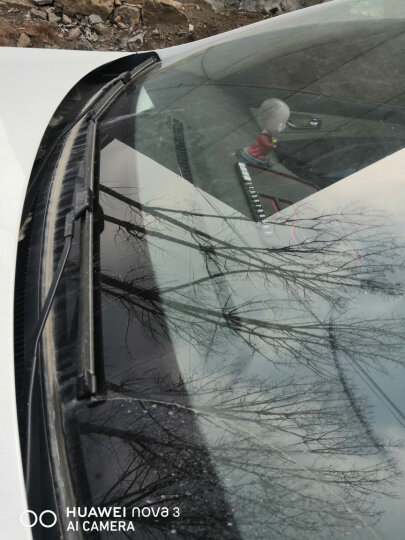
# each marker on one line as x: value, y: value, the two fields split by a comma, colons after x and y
x: 33, y: 83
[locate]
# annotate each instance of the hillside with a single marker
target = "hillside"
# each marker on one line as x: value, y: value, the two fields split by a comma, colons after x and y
x: 128, y: 25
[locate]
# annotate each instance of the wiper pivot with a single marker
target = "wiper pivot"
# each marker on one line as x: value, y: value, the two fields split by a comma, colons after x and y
x: 83, y: 202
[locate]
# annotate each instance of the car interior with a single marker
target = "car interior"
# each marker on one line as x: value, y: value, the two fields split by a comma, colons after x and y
x: 346, y: 105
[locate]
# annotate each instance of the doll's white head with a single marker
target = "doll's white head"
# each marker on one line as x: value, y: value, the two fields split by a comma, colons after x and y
x: 273, y: 115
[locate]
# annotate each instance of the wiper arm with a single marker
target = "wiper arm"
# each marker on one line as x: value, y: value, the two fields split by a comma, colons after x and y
x: 87, y: 384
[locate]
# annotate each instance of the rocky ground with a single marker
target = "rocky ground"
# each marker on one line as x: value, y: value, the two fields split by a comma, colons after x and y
x: 128, y: 25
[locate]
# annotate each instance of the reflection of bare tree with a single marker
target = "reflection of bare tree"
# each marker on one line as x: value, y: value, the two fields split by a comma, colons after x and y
x: 260, y: 436
x: 305, y: 342
x: 245, y: 455
x: 320, y: 258
x: 319, y: 268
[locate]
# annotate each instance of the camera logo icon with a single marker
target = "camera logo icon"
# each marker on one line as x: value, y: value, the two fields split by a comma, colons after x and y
x: 46, y: 519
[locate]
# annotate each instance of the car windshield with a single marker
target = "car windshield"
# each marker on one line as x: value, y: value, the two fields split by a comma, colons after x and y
x: 251, y: 314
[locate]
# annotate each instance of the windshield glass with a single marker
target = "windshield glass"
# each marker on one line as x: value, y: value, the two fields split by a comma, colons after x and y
x: 252, y: 313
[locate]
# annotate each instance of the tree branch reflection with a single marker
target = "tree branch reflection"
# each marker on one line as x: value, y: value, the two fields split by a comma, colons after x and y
x: 259, y: 428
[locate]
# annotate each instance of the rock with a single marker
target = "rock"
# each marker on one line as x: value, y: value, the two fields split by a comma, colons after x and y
x: 122, y: 26
x: 167, y: 11
x: 273, y: 10
x: 84, y: 45
x: 95, y: 19
x: 66, y: 19
x: 43, y: 2
x: 290, y: 5
x: 86, y: 7
x: 191, y: 28
x: 8, y: 36
x: 117, y: 2
x: 270, y: 8
x: 92, y: 38
x: 74, y: 33
x: 41, y: 33
x: 155, y: 32
x: 136, y: 41
x: 23, y: 41
x: 17, y: 4
x: 102, y: 29
x: 53, y: 18
x: 38, y: 13
x: 129, y: 15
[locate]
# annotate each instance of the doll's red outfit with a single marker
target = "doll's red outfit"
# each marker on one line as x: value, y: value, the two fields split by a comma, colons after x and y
x: 261, y: 146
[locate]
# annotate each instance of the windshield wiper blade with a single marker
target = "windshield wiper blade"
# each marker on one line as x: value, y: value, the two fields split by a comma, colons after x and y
x: 87, y: 380
x: 87, y: 383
